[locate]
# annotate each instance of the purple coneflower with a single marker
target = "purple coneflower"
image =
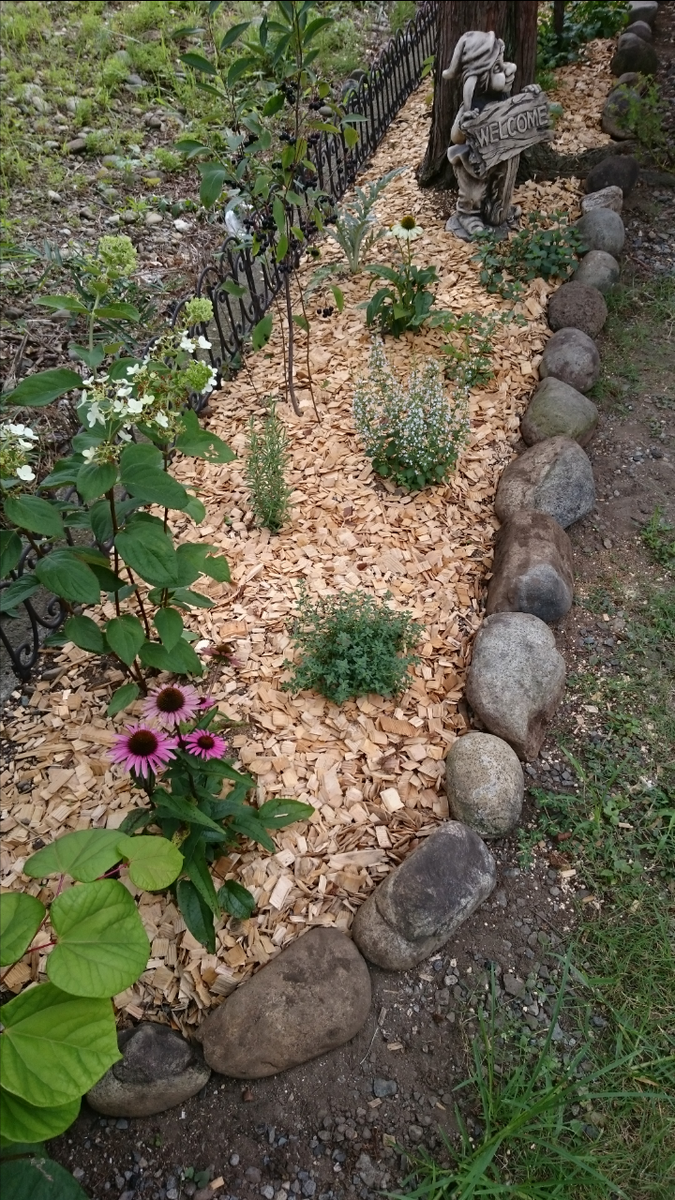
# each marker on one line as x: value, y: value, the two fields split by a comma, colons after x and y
x: 205, y: 745
x: 142, y: 750
x: 172, y: 704
x: 205, y: 703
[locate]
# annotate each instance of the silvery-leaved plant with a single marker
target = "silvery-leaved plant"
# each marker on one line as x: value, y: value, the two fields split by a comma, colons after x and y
x: 134, y: 561
x: 412, y: 433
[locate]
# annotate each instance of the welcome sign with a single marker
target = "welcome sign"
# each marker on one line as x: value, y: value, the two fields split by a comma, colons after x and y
x: 505, y: 129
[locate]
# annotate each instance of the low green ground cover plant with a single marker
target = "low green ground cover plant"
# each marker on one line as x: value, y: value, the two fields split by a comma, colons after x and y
x: 351, y: 644
x: 412, y: 433
x: 645, y: 119
x: 583, y: 20
x: 658, y: 536
x: 469, y: 351
x: 266, y: 464
x: 546, y: 247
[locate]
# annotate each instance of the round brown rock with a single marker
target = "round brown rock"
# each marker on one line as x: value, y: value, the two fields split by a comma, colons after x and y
x: 619, y: 170
x: 485, y: 785
x: 311, y: 998
x: 577, y: 306
x: 532, y: 568
x: 558, y: 410
x: 158, y: 1070
x: 572, y: 356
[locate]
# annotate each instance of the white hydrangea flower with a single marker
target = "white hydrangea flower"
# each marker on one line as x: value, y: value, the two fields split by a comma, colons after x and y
x: 134, y: 370
x: 203, y: 343
x: 26, y: 473
x: 186, y: 343
x: 89, y: 454
x: 162, y: 420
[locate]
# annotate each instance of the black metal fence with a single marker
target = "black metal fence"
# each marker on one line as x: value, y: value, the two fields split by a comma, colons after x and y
x: 378, y: 97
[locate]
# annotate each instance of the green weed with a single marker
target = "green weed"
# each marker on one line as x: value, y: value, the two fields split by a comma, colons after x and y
x: 658, y: 537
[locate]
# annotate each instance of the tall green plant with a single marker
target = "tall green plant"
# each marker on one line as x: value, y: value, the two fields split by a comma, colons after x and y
x: 262, y: 166
x: 136, y: 563
x: 266, y: 464
x: 405, y: 302
x: 58, y: 1038
x: 355, y: 228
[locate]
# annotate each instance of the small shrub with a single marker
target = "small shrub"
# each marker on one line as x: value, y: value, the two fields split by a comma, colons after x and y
x: 539, y: 250
x: 265, y: 466
x: 167, y: 160
x: 405, y: 302
x: 355, y: 228
x: 402, y: 11
x: 644, y: 119
x: 352, y: 644
x: 583, y: 21
x: 411, y: 434
x: 469, y: 364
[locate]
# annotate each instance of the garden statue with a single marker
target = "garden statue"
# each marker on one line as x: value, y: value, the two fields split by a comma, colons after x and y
x: 489, y: 132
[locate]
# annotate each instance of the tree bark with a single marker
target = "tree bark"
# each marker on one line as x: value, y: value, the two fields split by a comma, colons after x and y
x: 516, y: 24
x: 558, y: 18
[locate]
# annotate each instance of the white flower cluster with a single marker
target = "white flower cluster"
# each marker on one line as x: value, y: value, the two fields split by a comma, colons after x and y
x: 16, y: 443
x: 410, y: 432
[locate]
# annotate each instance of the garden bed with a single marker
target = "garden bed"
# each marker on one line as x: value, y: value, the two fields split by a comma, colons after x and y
x: 373, y: 769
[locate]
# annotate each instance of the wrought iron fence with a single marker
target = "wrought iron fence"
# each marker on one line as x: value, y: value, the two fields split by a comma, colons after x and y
x: 378, y: 97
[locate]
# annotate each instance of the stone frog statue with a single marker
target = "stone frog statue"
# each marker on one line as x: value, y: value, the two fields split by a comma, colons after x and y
x: 486, y: 78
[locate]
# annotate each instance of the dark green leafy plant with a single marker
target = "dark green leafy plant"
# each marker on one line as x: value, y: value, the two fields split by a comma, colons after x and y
x: 352, y: 644
x: 645, y: 119
x: 583, y: 21
x: 59, y: 1038
x: 405, y: 302
x: 183, y: 776
x: 469, y: 355
x: 266, y: 463
x: 546, y: 248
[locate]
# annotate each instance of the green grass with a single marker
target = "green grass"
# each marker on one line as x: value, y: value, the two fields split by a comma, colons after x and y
x: 659, y: 538
x: 628, y: 347
x: 595, y: 1119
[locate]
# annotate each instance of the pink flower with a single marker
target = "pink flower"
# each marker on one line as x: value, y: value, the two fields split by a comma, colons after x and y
x: 172, y: 704
x: 205, y: 745
x: 205, y: 703
x: 143, y: 751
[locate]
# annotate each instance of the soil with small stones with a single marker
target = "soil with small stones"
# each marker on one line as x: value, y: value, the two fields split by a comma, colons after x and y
x: 320, y: 1129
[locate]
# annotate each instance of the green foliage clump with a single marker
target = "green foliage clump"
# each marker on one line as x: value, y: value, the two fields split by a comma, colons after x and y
x: 402, y: 11
x: 168, y: 160
x: 355, y: 229
x: 658, y: 536
x: 583, y: 21
x: 546, y: 247
x: 265, y: 466
x: 405, y: 302
x: 469, y: 363
x: 644, y: 118
x: 352, y: 644
x: 411, y: 434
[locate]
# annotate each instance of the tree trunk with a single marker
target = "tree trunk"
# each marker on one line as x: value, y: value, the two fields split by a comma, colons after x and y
x: 516, y: 24
x: 558, y: 18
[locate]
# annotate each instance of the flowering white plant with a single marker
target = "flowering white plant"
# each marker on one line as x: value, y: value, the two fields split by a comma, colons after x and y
x: 412, y: 434
x: 16, y: 444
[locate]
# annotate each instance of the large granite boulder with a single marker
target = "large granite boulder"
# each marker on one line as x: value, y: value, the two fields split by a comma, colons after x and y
x: 615, y: 113
x: 619, y: 170
x: 609, y: 197
x: 576, y: 305
x: 532, y: 568
x: 311, y: 998
x: 642, y: 10
x: 633, y: 54
x: 158, y: 1070
x: 485, y: 785
x: 641, y: 29
x: 420, y: 905
x: 598, y: 269
x: 553, y: 477
x: 602, y: 229
x: 558, y: 410
x: 516, y: 679
x: 572, y: 356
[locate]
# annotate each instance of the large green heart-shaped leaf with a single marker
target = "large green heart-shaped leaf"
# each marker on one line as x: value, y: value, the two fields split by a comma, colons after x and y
x: 54, y: 1046
x: 149, y: 551
x: 102, y: 946
x: 40, y: 389
x: 84, y: 854
x: 86, y: 634
x: 154, y: 862
x: 39, y: 516
x: 38, y: 1178
x: 20, y: 918
x: 23, y: 1122
x: 125, y: 636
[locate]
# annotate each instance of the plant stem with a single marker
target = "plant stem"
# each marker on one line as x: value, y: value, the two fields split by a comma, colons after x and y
x: 309, y: 369
x: 289, y: 318
x: 116, y: 558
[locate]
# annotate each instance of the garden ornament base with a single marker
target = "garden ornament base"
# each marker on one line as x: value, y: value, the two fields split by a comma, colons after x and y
x: 489, y: 133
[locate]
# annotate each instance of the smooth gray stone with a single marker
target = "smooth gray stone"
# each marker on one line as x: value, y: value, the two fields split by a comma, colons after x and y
x: 632, y: 54
x: 417, y: 908
x: 558, y: 410
x: 598, y: 269
x: 577, y: 305
x: 602, y: 229
x: 553, y: 477
x: 618, y: 170
x: 484, y: 783
x: 609, y: 197
x: 516, y: 679
x: 572, y: 356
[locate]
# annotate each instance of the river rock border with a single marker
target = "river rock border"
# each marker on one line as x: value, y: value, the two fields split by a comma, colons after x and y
x: 514, y: 685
